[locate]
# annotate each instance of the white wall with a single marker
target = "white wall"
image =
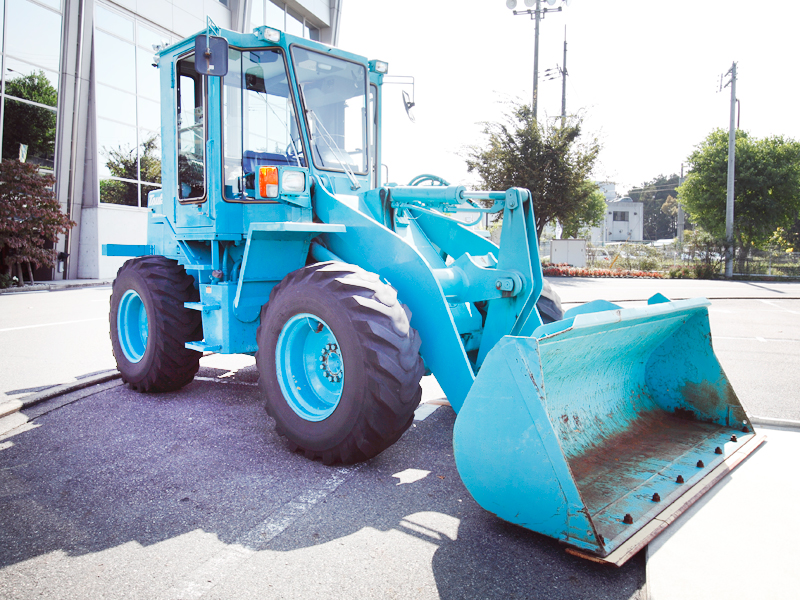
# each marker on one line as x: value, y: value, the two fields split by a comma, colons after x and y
x: 621, y: 231
x: 108, y: 224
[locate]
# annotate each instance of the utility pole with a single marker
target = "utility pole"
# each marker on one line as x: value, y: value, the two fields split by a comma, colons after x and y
x: 536, y: 14
x: 536, y: 61
x: 681, y: 224
x: 731, y: 169
x: 564, y: 83
x: 551, y: 74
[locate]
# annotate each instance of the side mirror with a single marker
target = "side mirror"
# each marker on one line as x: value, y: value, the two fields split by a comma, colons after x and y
x: 211, y: 55
x: 408, y: 103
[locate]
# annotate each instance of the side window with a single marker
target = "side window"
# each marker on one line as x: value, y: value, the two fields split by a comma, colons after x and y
x: 191, y: 131
x: 373, y: 134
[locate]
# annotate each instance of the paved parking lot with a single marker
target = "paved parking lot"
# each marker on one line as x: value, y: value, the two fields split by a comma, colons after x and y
x: 192, y: 494
x: 106, y: 493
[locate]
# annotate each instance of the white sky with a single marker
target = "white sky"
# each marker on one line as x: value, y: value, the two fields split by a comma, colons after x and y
x: 644, y: 73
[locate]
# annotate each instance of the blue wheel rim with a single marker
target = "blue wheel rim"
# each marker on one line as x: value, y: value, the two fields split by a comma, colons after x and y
x: 132, y: 326
x: 310, y: 367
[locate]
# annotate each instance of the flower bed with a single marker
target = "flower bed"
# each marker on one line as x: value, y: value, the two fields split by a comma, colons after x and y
x: 564, y: 270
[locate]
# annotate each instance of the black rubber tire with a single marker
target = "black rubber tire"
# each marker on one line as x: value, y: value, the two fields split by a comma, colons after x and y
x: 381, y: 358
x: 549, y: 304
x: 163, y: 285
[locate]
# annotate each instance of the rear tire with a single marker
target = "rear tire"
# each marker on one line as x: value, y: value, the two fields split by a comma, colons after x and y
x: 150, y: 326
x: 338, y: 362
x: 549, y: 304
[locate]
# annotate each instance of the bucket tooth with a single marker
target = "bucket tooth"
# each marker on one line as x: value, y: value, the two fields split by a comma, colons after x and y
x: 597, y: 421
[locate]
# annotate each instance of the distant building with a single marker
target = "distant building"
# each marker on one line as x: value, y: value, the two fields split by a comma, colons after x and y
x: 80, y: 73
x: 624, y: 221
x: 624, y: 218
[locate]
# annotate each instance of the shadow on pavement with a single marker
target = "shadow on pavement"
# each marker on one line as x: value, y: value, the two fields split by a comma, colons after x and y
x: 120, y: 467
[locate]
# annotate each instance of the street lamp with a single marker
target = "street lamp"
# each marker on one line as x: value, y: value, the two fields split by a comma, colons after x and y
x: 536, y: 14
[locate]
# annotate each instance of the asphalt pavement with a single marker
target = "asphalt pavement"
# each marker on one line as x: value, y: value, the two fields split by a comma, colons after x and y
x: 192, y: 494
x: 109, y: 493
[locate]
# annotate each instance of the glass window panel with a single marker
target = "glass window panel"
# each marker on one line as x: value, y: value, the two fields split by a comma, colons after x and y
x: 260, y: 126
x: 257, y: 14
x: 33, y: 33
x: 147, y: 38
x: 114, y: 104
x: 312, y: 33
x: 116, y: 149
x: 294, y: 23
x: 29, y: 131
x: 373, y: 132
x: 115, y: 62
x: 31, y: 83
x: 335, y: 97
x: 191, y: 131
x: 56, y: 4
x: 147, y: 75
x: 2, y: 12
x: 149, y: 114
x: 146, y: 189
x: 113, y: 22
x: 275, y: 16
x: 149, y: 156
x: 124, y: 193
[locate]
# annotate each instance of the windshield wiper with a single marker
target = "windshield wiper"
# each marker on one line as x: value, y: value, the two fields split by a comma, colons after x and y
x: 335, y: 150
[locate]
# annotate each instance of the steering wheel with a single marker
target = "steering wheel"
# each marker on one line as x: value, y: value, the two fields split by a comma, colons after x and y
x: 293, y: 156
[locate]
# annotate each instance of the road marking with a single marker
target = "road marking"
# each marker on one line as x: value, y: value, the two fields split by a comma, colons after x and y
x: 222, y: 381
x: 778, y: 306
x: 50, y: 324
x: 423, y: 411
x: 226, y: 561
x: 760, y: 339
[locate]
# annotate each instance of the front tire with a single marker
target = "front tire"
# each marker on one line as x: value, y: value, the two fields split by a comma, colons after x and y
x: 150, y: 325
x: 338, y: 362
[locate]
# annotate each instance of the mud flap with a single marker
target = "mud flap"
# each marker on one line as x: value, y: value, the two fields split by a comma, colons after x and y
x: 600, y: 429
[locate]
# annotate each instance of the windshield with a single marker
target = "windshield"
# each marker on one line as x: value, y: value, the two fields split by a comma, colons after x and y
x: 334, y: 93
x: 259, y: 121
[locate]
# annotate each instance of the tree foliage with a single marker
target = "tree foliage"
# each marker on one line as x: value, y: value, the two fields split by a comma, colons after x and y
x: 590, y: 214
x: 552, y: 162
x: 766, y: 187
x: 33, y: 126
x: 124, y: 162
x: 657, y: 224
x: 30, y: 215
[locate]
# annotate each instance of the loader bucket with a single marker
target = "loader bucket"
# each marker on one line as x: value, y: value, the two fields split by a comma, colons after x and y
x: 600, y: 429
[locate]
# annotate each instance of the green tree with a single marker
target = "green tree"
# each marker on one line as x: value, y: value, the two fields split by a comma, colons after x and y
x: 32, y: 126
x: 552, y: 162
x: 766, y: 190
x: 30, y: 216
x: 670, y: 209
x: 589, y: 215
x: 788, y: 238
x: 657, y: 225
x: 122, y: 162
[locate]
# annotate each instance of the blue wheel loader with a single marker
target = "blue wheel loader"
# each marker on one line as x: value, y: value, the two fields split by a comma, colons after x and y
x: 273, y: 234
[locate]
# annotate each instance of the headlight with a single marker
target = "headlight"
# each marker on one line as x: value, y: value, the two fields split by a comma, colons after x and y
x: 293, y: 182
x: 267, y: 34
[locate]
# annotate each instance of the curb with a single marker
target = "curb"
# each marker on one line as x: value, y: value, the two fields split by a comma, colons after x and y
x: 767, y: 421
x: 58, y: 390
x: 54, y: 287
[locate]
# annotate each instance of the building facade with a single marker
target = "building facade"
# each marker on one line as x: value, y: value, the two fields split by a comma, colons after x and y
x: 623, y: 220
x: 80, y: 98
